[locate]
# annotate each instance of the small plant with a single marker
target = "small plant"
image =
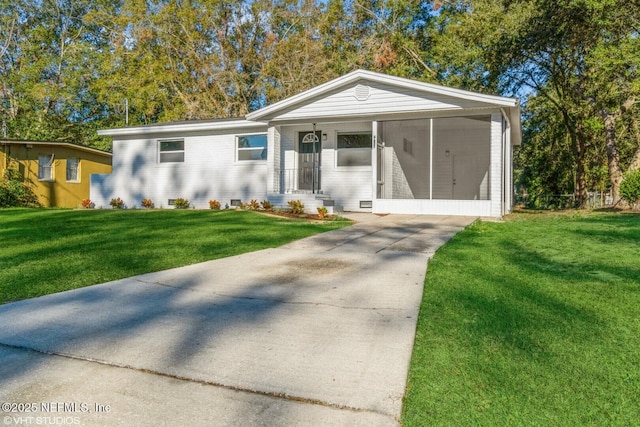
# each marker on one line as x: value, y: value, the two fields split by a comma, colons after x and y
x: 630, y: 187
x: 181, y: 203
x: 296, y: 207
x: 254, y: 205
x: 117, y: 203
x: 147, y: 203
x: 214, y: 204
x: 87, y: 204
x: 266, y: 205
x: 322, y: 212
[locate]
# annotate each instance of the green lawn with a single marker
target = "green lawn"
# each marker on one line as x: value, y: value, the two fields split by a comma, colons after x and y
x: 533, y: 321
x: 45, y: 251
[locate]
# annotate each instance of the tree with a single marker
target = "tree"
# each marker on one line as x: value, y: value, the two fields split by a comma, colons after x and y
x: 46, y: 68
x: 612, y: 84
x: 583, y: 56
x: 298, y: 55
x: 580, y: 55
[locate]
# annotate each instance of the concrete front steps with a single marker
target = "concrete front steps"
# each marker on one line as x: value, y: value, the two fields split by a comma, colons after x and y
x: 310, y: 201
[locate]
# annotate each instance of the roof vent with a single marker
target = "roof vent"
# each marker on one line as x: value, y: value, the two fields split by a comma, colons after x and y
x: 362, y: 92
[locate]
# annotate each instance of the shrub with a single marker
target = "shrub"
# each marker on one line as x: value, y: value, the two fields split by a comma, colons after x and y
x: 254, y: 205
x: 322, y: 212
x: 181, y: 203
x: 296, y: 207
x: 14, y: 192
x: 214, y: 204
x: 630, y: 187
x: 147, y: 203
x: 87, y: 204
x: 117, y: 203
x: 266, y: 205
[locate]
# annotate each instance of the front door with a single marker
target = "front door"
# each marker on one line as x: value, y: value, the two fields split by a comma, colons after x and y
x: 309, y: 155
x: 464, y: 173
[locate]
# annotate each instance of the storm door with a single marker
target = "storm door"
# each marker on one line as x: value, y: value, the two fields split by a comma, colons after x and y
x: 309, y: 159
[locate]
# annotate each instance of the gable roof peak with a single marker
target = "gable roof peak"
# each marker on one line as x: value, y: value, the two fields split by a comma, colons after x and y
x: 379, y: 78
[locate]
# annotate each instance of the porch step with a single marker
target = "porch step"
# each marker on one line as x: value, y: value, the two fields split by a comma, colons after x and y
x: 311, y: 202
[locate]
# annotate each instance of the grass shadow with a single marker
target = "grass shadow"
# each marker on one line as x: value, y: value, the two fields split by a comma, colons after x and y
x: 54, y: 250
x: 530, y: 322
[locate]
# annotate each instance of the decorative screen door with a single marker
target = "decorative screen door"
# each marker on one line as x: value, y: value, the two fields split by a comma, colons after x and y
x: 309, y: 152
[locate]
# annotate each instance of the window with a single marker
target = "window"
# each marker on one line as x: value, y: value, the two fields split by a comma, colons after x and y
x: 252, y: 147
x: 45, y: 167
x: 171, y: 151
x: 354, y: 149
x: 72, y: 170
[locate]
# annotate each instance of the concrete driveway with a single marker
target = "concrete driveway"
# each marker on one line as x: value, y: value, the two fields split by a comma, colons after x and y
x: 316, y: 332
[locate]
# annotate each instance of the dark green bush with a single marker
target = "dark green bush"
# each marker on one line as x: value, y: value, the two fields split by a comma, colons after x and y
x: 117, y: 203
x: 181, y: 203
x: 14, y: 192
x: 254, y: 205
x: 296, y: 207
x: 630, y: 187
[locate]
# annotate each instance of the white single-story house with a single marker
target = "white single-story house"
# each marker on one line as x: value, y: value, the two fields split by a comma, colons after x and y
x: 362, y: 142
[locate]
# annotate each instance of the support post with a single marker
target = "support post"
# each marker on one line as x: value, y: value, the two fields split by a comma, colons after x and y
x: 314, y: 163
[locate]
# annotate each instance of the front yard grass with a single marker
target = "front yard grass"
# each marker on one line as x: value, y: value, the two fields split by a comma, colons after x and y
x: 45, y: 250
x: 533, y: 321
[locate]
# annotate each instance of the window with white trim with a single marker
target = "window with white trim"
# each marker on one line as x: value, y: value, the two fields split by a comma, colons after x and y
x: 354, y: 149
x: 73, y: 166
x: 45, y: 167
x: 251, y: 147
x: 171, y: 151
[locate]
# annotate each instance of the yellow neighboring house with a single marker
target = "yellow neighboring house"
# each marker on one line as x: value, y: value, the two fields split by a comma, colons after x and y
x: 59, y: 172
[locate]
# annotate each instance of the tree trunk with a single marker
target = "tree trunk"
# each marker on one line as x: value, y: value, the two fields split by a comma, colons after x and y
x: 578, y: 148
x: 613, y: 155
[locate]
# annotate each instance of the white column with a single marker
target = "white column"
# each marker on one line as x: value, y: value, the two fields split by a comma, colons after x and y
x: 273, y: 159
x: 374, y: 163
x: 496, y: 167
x: 431, y: 159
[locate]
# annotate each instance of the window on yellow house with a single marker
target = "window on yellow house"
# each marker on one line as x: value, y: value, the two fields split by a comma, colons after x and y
x: 72, y: 170
x: 45, y: 167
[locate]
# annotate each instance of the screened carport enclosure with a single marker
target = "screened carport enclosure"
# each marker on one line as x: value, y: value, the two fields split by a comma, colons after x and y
x: 434, y: 159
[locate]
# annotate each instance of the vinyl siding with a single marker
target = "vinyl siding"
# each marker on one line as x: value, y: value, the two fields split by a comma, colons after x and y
x: 209, y: 171
x: 382, y: 99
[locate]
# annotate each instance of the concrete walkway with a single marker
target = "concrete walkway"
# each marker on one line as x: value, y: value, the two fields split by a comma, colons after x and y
x: 316, y: 332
